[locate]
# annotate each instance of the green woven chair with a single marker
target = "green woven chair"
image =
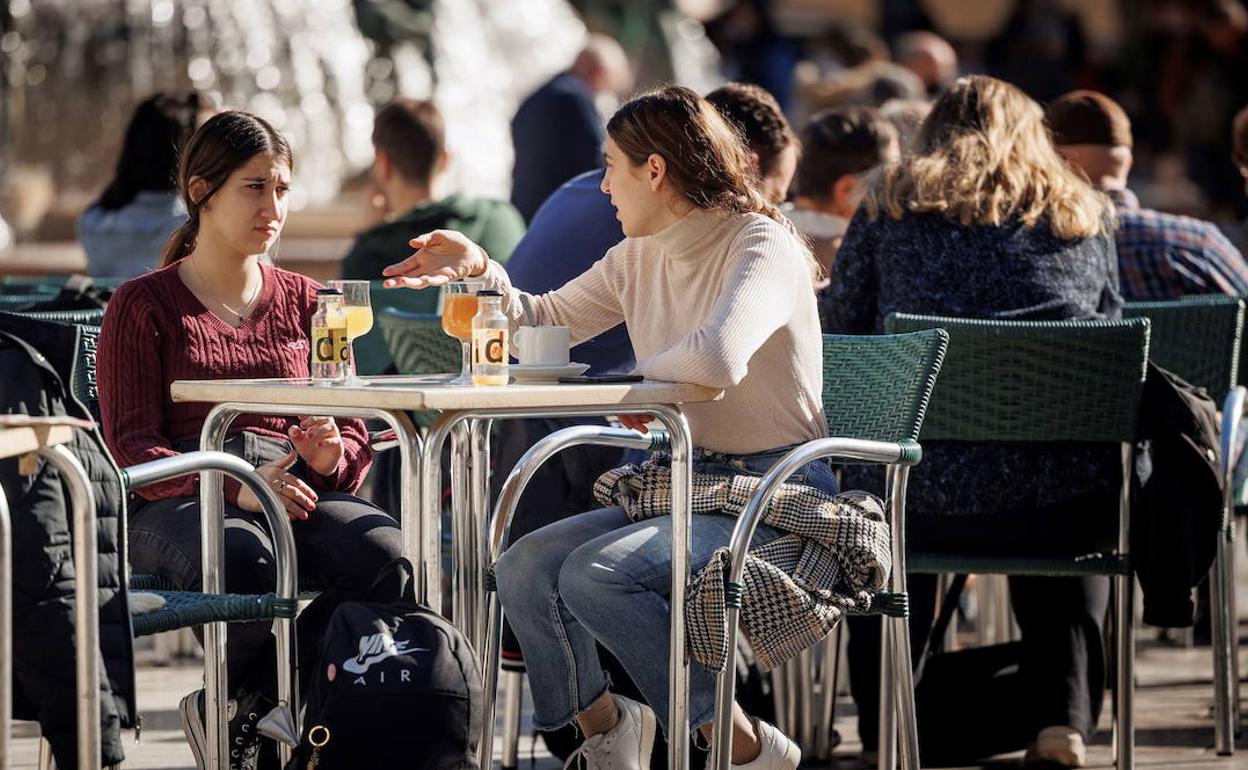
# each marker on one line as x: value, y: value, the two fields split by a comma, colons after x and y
x: 418, y: 344
x: 1034, y: 382
x: 875, y: 388
x: 50, y: 286
x: 89, y: 316
x: 372, y: 354
x: 18, y: 302
x: 1199, y: 338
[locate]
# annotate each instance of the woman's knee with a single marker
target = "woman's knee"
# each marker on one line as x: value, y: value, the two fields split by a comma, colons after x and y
x: 529, y: 566
x: 588, y: 579
x: 249, y: 564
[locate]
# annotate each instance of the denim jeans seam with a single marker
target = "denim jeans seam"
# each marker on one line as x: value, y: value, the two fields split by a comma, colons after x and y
x: 562, y: 634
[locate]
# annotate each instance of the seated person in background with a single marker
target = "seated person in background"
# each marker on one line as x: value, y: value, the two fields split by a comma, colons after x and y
x: 1160, y: 256
x: 929, y: 56
x: 557, y: 132
x: 928, y: 240
x: 1237, y: 232
x: 125, y: 229
x: 409, y: 139
x: 841, y: 146
x: 213, y: 310
x: 773, y: 146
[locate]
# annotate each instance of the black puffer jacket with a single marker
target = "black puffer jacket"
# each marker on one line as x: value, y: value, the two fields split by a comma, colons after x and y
x: 37, y: 359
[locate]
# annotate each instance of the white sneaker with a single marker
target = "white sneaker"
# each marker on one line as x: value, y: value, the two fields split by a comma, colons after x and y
x: 627, y: 746
x: 1058, y: 745
x: 778, y: 752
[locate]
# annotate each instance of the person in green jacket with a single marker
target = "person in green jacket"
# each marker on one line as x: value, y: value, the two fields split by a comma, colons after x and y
x: 409, y: 141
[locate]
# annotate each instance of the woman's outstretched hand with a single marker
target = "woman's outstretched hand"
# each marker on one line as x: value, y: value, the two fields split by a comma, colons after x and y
x: 441, y: 256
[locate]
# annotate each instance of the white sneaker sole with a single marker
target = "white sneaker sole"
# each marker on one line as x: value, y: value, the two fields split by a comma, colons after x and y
x: 649, y: 725
x: 193, y: 727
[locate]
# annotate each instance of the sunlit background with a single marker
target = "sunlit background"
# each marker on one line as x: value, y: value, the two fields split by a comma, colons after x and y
x: 317, y: 69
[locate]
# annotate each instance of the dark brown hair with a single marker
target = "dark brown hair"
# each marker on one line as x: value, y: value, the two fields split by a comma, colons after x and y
x: 413, y: 135
x: 706, y: 158
x: 1239, y: 138
x: 757, y: 115
x: 158, y: 129
x: 220, y: 147
x: 841, y: 142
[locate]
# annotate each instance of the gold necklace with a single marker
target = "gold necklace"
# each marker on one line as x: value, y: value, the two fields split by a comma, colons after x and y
x: 204, y: 286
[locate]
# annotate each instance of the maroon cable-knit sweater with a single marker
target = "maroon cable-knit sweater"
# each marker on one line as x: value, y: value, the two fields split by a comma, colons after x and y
x: 156, y: 331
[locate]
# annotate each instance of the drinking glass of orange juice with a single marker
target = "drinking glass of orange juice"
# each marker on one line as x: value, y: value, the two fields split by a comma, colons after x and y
x: 459, y: 305
x: 359, y: 310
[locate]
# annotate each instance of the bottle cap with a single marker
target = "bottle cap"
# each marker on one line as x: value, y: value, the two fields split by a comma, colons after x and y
x: 329, y: 292
x: 489, y: 293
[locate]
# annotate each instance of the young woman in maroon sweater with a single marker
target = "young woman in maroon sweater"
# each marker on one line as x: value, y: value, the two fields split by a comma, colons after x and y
x: 214, y: 311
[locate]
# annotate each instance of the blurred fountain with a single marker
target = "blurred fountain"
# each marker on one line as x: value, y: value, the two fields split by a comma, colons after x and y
x: 79, y: 66
x: 74, y: 69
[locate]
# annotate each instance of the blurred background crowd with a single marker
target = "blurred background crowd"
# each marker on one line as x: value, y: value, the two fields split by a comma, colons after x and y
x: 319, y: 70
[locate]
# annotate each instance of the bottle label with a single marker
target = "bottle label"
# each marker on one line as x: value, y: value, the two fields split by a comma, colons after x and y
x: 489, y: 347
x: 329, y: 345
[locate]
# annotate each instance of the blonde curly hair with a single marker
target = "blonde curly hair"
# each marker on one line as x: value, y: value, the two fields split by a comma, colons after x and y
x: 984, y: 156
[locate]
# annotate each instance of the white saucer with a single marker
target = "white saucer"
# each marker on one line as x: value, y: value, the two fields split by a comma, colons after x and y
x: 545, y: 372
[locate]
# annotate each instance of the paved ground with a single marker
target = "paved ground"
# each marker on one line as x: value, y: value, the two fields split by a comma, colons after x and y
x: 1174, y: 704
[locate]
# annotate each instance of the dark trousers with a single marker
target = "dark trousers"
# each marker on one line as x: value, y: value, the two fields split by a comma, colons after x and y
x: 341, y: 547
x: 1061, y: 618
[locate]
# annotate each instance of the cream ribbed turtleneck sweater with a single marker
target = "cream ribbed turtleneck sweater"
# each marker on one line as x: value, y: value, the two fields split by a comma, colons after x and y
x: 722, y: 300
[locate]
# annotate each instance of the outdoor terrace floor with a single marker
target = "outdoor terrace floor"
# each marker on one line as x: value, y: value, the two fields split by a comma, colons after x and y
x: 1174, y: 701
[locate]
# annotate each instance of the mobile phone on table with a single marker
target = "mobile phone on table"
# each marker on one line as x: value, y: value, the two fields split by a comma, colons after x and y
x: 600, y: 379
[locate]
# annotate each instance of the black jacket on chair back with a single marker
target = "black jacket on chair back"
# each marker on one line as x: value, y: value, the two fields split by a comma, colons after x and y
x: 1176, y: 515
x: 38, y: 360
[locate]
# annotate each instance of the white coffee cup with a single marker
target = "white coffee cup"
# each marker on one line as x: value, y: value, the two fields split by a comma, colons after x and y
x: 542, y: 345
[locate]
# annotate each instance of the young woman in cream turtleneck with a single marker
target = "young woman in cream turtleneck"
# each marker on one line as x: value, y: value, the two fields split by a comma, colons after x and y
x: 715, y: 290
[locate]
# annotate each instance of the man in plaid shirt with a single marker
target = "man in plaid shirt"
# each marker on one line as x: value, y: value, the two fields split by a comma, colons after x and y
x: 1160, y: 255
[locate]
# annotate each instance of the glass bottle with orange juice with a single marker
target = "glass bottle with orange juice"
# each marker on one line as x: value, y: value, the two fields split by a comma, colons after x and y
x: 459, y: 305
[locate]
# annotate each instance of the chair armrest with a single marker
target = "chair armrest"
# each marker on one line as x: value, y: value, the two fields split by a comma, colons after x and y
x: 905, y: 453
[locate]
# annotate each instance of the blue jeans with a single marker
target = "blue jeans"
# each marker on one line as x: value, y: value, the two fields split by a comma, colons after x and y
x: 599, y: 578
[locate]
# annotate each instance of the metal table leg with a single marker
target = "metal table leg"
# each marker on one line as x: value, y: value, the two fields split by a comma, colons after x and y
x: 480, y: 513
x: 461, y: 524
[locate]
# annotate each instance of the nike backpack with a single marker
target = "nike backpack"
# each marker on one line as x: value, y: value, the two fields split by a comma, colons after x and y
x: 396, y: 685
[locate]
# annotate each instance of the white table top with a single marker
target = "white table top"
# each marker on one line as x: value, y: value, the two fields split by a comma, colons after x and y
x: 429, y: 393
